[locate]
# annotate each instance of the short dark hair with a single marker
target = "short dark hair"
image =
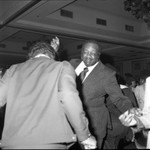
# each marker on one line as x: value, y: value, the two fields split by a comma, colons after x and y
x: 93, y: 42
x: 41, y: 46
x: 120, y: 79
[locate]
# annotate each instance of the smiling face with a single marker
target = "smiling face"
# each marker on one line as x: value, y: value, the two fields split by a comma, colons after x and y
x: 90, y: 54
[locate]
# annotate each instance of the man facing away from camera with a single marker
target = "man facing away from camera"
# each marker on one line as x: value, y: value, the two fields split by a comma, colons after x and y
x: 43, y: 107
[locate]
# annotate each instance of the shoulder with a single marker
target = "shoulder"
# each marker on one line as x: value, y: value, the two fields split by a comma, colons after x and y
x: 67, y: 66
x: 137, y: 88
x: 75, y: 62
x: 13, y: 68
x: 105, y: 68
x: 108, y: 71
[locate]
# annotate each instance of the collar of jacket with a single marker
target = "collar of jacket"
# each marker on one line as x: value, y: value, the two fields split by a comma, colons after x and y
x: 123, y: 86
x: 41, y: 55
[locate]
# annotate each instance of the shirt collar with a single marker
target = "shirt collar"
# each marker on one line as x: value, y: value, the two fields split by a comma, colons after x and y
x: 92, y: 67
x: 123, y: 86
x: 41, y: 55
x: 81, y: 66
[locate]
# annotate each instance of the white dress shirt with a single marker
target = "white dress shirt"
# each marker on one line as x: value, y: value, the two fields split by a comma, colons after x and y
x: 81, y: 67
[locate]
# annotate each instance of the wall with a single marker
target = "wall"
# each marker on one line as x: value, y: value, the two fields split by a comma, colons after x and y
x: 134, y: 67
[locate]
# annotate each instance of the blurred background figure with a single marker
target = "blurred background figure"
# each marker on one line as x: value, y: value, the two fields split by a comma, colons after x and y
x: 119, y: 136
x: 139, y: 90
x: 130, y: 81
x: 139, y: 119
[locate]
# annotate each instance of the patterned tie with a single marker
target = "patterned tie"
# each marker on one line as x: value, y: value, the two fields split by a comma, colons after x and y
x: 83, y: 73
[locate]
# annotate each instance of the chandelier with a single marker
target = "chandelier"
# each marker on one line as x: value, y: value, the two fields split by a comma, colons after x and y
x: 139, y: 8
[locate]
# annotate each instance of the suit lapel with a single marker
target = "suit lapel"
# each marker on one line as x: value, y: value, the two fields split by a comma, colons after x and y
x: 94, y: 73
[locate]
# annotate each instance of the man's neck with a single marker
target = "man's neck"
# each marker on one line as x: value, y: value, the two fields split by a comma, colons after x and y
x: 92, y: 65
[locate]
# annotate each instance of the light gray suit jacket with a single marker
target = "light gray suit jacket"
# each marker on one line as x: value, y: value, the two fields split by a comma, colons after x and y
x: 41, y: 97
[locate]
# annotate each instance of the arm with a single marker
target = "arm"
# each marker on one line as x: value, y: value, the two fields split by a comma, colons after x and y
x: 133, y: 119
x: 72, y: 105
x: 112, y: 88
x: 55, y: 43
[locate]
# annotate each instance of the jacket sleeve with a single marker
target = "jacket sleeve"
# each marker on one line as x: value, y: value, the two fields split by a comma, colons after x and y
x: 112, y: 88
x: 71, y: 102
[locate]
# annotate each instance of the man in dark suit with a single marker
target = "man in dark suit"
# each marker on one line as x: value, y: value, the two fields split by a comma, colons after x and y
x: 98, y: 81
x: 43, y: 108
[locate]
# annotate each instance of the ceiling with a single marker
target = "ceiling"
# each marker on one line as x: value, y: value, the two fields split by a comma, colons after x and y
x: 73, y: 21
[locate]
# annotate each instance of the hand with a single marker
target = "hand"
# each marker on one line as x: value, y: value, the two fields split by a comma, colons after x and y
x: 136, y: 111
x: 89, y: 143
x: 127, y: 119
x: 55, y: 43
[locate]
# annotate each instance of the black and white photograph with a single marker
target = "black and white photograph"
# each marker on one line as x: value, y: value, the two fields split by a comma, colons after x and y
x: 74, y: 74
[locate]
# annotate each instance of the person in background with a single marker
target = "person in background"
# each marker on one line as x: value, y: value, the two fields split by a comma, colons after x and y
x: 131, y: 81
x: 117, y: 138
x: 126, y: 90
x: 140, y: 89
x: 2, y: 109
x: 98, y: 81
x: 139, y: 120
x: 43, y: 108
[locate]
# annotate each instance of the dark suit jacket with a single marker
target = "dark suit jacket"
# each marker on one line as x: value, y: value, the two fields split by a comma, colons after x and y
x: 101, y: 81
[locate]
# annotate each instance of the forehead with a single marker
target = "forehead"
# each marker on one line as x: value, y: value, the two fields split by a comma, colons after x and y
x: 91, y: 46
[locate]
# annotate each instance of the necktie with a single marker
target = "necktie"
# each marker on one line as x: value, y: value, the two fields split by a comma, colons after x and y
x: 83, y: 73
